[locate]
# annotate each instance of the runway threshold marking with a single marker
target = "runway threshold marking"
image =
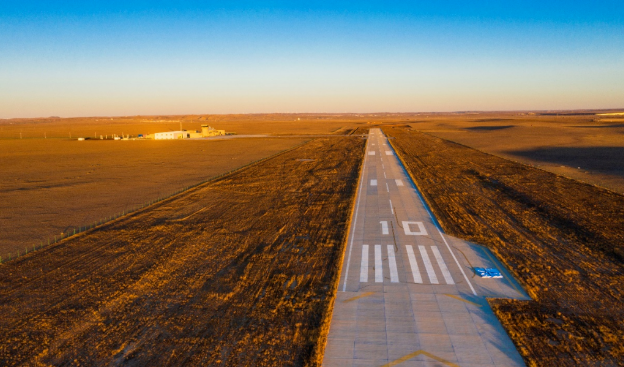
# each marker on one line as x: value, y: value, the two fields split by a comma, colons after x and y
x: 394, y: 273
x: 445, y: 272
x: 413, y: 264
x: 398, y: 182
x: 366, y: 294
x: 364, y: 265
x: 461, y: 299
x: 407, y: 357
x: 428, y: 266
x: 378, y: 265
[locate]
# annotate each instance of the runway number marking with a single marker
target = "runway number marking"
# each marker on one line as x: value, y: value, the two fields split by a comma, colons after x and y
x: 378, y: 266
x: 364, y: 267
x: 373, y: 182
x: 413, y: 264
x: 428, y: 266
x: 384, y: 227
x: 421, y: 229
x: 394, y: 273
x: 398, y: 182
x: 442, y: 265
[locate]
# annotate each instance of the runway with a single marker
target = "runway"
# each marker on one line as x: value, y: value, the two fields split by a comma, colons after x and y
x: 407, y: 294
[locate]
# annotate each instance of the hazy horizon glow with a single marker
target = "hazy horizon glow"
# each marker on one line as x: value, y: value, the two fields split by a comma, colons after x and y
x: 74, y: 59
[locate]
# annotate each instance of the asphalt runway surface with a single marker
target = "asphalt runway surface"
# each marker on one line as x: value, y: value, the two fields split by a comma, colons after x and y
x: 408, y: 295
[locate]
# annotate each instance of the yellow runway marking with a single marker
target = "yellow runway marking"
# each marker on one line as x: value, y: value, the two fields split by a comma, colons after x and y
x: 417, y: 353
x: 358, y: 297
x: 461, y: 299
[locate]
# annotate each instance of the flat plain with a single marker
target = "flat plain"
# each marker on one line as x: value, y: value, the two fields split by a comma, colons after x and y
x: 50, y: 186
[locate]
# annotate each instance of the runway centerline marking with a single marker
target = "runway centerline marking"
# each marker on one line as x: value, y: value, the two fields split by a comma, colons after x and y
x: 391, y: 208
x: 428, y: 266
x: 387, y: 188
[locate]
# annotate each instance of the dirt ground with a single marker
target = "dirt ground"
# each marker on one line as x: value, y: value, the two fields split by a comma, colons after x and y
x: 564, y: 240
x: 50, y: 186
x: 237, y: 272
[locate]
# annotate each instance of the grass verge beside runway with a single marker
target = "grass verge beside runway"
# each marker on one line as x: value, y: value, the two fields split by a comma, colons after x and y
x: 236, y: 272
x: 564, y: 240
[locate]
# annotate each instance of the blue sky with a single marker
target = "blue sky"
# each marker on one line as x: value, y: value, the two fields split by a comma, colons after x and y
x: 160, y: 57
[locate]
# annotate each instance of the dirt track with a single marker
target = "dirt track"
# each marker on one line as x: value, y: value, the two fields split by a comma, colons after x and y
x: 563, y: 239
x: 237, y: 272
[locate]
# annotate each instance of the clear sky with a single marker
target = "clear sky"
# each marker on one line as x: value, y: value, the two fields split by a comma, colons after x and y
x: 82, y: 58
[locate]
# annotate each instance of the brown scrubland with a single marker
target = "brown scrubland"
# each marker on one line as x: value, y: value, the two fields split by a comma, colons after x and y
x: 563, y: 239
x: 238, y: 271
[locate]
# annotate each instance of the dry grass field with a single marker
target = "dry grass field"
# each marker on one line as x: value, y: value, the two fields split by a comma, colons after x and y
x: 587, y: 148
x: 240, y: 271
x: 50, y: 186
x: 563, y: 239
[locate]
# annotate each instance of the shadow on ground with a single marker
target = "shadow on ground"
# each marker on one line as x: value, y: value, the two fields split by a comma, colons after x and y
x: 489, y: 128
x: 607, y: 160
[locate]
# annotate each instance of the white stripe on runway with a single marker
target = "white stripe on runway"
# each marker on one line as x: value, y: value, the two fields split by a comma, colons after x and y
x: 364, y: 267
x: 378, y: 268
x: 391, y: 208
x: 388, y: 152
x: 428, y: 266
x: 373, y: 182
x: 384, y: 227
x: 387, y: 188
x: 372, y: 152
x: 442, y: 265
x: 413, y: 264
x: 394, y: 273
x: 398, y: 182
x: 385, y: 174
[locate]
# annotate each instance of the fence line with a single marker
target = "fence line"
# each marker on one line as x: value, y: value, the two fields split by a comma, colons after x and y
x: 136, y: 208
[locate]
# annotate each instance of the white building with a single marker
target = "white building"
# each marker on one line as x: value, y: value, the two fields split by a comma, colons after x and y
x: 172, y: 135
